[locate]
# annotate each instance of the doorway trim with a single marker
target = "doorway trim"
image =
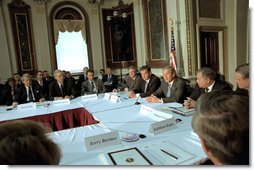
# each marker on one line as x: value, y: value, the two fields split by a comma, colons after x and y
x: 223, y: 55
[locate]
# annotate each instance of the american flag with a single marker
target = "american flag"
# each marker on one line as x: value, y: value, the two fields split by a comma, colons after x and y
x: 172, y: 58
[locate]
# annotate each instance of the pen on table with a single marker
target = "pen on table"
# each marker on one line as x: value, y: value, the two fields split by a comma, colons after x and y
x: 173, y: 156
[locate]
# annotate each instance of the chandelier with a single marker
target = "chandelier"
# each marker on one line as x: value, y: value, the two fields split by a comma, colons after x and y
x: 119, y: 11
x: 40, y: 2
x: 95, y: 2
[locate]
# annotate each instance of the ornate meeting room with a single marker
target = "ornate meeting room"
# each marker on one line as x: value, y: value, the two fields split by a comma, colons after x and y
x: 124, y: 82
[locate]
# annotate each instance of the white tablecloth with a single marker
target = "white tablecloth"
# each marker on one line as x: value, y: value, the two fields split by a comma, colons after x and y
x: 124, y: 117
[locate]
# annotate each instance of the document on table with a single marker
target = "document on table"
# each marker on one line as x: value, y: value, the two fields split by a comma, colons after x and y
x: 131, y: 156
x: 179, y: 110
x: 167, y: 153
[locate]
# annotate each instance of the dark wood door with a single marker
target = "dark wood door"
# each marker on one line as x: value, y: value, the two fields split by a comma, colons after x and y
x: 209, y: 44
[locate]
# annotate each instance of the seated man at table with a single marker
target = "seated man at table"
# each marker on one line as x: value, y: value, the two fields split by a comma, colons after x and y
x: 110, y: 80
x: 206, y: 82
x: 242, y: 79
x: 17, y: 79
x: 132, y: 81
x: 27, y: 92
x: 60, y: 88
x: 47, y: 77
x: 5, y: 95
x: 82, y: 78
x: 221, y: 121
x: 42, y: 84
x: 92, y: 86
x: 172, y: 88
x: 148, y: 85
x: 26, y: 142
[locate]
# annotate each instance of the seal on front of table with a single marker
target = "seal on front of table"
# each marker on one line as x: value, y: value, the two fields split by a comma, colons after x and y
x: 130, y: 137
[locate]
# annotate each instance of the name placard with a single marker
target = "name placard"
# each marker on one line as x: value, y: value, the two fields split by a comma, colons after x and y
x: 161, y: 115
x: 103, y: 140
x: 154, y: 114
x: 107, y: 96
x: 61, y: 102
x: 145, y: 110
x: 27, y: 106
x: 162, y: 126
x: 114, y: 99
x: 90, y: 97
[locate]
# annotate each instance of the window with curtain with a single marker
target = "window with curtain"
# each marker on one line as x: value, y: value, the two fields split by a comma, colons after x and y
x: 71, y: 51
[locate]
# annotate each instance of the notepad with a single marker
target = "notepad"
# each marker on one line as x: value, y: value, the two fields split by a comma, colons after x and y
x: 167, y: 153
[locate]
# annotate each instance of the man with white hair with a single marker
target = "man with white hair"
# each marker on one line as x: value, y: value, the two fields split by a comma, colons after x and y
x: 60, y: 88
x: 27, y: 92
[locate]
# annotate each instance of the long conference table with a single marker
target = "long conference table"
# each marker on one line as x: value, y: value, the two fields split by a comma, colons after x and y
x: 101, y: 116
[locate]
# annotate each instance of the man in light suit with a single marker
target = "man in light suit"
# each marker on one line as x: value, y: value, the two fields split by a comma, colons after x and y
x: 92, y: 86
x: 206, y: 82
x: 60, y: 88
x: 172, y: 89
x: 27, y: 92
x: 148, y: 85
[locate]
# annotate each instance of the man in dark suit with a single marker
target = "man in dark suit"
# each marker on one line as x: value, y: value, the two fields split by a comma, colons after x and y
x: 41, y: 84
x: 5, y: 95
x: 47, y: 77
x: 27, y: 92
x: 206, y: 82
x: 61, y: 89
x: 92, y: 86
x: 17, y: 79
x: 82, y: 78
x: 110, y: 80
x: 172, y: 89
x: 148, y: 85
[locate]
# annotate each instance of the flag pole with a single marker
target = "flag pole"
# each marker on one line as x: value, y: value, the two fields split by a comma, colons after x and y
x: 172, y: 57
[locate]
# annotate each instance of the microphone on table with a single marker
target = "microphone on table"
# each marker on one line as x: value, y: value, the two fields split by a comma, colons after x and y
x: 137, y: 103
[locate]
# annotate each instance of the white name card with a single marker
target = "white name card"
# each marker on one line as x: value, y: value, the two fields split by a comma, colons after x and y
x: 90, y: 97
x: 27, y: 106
x: 154, y: 114
x: 161, y: 115
x: 114, y: 99
x: 145, y: 110
x: 61, y: 102
x: 107, y: 96
x: 162, y: 126
x: 103, y: 140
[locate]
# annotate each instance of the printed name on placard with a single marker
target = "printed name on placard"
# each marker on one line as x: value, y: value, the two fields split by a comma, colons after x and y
x: 61, y: 102
x: 90, y: 97
x: 162, y: 126
x: 27, y: 106
x: 102, y: 140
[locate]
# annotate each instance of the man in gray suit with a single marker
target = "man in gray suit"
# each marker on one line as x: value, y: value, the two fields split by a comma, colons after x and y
x: 172, y: 88
x: 92, y: 86
x: 131, y: 82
